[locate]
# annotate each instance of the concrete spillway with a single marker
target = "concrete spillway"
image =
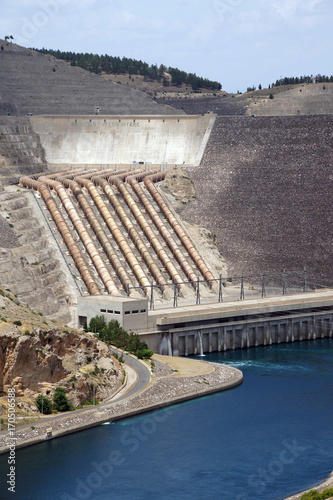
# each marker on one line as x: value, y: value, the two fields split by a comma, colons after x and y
x: 109, y: 140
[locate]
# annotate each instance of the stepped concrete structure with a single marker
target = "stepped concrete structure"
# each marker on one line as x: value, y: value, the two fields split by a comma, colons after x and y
x: 21, y: 151
x: 31, y: 264
x: 123, y: 139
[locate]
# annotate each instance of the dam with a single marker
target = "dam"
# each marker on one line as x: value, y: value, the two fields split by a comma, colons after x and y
x: 123, y: 139
x: 136, y: 261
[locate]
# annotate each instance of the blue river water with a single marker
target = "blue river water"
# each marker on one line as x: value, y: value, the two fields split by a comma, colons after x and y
x: 266, y: 439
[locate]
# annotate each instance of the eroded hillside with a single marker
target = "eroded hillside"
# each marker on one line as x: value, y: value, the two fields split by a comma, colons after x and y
x: 38, y: 355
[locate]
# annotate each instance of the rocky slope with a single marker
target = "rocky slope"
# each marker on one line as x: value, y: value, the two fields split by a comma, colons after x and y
x: 264, y: 188
x: 31, y: 82
x: 35, y: 359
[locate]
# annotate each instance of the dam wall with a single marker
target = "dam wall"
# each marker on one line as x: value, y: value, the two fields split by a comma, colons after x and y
x: 109, y: 140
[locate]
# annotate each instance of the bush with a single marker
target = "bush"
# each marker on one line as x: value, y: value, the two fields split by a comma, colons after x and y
x: 96, y: 370
x: 314, y: 495
x: 327, y: 493
x: 43, y: 404
x: 144, y: 353
x: 61, y: 402
x: 311, y: 495
x: 17, y: 322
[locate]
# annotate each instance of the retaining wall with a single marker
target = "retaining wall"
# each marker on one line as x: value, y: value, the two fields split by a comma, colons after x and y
x: 105, y: 140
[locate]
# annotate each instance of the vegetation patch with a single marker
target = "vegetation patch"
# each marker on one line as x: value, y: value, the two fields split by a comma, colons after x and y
x: 315, y: 495
x: 112, y: 333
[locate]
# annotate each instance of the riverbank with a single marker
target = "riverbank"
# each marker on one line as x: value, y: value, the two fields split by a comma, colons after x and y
x: 328, y: 483
x: 177, y: 380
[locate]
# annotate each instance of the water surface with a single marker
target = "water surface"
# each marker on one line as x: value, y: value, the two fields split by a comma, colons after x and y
x: 266, y: 439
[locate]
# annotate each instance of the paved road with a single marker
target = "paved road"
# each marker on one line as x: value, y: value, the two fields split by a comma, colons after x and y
x: 143, y: 379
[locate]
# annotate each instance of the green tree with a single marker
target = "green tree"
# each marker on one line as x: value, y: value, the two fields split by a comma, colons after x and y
x: 43, y: 404
x: 97, y: 324
x: 144, y: 354
x: 61, y: 403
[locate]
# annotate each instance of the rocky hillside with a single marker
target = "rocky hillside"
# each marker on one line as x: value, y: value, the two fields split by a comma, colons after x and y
x: 303, y: 99
x: 31, y: 82
x: 36, y: 356
x: 289, y: 100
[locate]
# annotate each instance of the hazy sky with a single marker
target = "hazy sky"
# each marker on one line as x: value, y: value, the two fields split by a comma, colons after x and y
x: 240, y: 43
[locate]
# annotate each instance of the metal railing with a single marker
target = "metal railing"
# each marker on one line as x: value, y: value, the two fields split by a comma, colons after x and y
x: 236, y: 287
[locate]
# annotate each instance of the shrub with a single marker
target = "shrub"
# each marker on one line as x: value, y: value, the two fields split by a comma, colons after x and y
x: 3, y: 319
x: 272, y: 97
x: 43, y: 404
x: 311, y: 495
x: 327, y: 493
x: 96, y: 370
x: 17, y: 322
x: 144, y: 353
x: 61, y: 403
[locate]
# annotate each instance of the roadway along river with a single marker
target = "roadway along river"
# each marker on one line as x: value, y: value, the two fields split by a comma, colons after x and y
x: 143, y: 378
x: 264, y: 440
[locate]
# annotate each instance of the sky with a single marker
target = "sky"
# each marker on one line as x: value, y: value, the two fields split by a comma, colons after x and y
x: 239, y: 43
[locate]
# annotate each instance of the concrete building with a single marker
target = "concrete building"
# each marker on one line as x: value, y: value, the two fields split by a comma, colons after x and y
x: 132, y: 314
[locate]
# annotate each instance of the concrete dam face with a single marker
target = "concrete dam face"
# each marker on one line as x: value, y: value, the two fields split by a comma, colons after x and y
x: 109, y: 140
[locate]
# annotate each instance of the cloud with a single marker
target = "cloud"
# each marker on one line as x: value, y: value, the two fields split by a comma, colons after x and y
x: 304, y: 13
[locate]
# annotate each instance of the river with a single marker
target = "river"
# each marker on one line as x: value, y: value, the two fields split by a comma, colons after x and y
x: 266, y: 439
